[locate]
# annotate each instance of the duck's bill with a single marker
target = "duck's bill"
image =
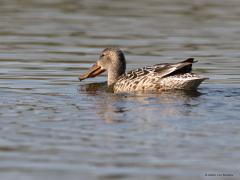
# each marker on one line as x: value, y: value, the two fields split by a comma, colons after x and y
x: 94, y: 71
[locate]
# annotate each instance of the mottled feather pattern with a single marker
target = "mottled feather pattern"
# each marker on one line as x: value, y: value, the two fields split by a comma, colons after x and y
x: 159, y: 77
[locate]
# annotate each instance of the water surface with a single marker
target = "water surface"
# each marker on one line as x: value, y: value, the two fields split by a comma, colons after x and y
x: 52, y: 126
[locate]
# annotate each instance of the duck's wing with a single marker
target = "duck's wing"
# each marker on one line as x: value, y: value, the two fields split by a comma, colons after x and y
x: 165, y: 70
x: 162, y: 70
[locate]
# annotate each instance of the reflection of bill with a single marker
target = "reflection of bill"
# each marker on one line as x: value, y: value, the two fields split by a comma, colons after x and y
x: 93, y: 88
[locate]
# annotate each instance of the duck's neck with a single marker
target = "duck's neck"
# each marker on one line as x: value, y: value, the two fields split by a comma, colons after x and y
x: 114, y: 73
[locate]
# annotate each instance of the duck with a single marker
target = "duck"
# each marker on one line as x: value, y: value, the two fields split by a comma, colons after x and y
x: 158, y: 77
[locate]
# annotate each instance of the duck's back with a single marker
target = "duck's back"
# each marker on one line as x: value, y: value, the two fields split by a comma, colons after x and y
x: 160, y: 77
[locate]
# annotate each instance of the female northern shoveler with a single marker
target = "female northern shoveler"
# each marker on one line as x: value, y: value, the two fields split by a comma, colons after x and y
x: 158, y: 77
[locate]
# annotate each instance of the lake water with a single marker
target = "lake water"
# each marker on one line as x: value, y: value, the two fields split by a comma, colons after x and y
x: 54, y: 127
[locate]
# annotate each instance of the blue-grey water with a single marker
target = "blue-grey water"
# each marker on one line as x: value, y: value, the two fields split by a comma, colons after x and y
x: 54, y: 127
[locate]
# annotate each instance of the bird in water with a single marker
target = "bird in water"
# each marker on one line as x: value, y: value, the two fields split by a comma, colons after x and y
x: 159, y: 77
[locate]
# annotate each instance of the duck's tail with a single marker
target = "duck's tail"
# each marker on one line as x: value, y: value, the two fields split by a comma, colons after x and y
x: 187, y: 81
x: 192, y: 84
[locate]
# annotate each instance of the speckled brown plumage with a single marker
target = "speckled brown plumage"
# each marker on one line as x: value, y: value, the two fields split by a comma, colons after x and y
x: 159, y: 77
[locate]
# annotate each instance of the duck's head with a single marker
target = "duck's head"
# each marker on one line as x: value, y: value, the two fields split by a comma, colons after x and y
x: 111, y: 60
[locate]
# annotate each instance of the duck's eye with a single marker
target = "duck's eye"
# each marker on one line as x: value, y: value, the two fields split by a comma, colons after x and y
x: 102, y: 55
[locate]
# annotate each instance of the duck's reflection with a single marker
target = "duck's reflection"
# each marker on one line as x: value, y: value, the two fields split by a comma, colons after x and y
x: 93, y: 88
x: 117, y: 108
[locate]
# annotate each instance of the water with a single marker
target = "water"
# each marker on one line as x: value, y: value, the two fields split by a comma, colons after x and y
x: 54, y: 127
